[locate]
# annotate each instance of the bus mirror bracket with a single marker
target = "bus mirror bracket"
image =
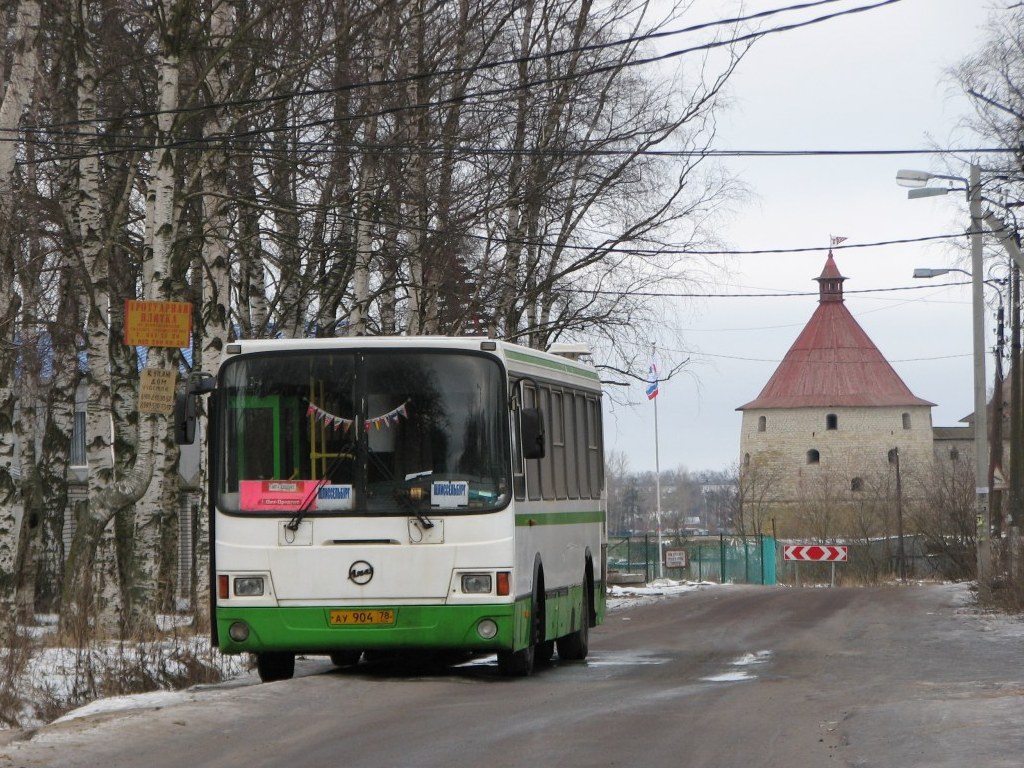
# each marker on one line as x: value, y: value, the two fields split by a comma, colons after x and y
x: 531, y: 421
x: 185, y: 406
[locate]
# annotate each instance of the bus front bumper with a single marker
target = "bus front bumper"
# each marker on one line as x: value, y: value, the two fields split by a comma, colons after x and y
x: 379, y: 627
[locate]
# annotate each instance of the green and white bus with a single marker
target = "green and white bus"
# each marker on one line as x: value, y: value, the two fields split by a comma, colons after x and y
x: 387, y: 494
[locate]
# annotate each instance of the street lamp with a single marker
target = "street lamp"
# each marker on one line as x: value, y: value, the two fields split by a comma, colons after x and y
x: 972, y: 186
x: 929, y: 272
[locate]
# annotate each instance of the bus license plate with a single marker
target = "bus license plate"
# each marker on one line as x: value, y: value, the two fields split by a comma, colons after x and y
x: 362, y: 618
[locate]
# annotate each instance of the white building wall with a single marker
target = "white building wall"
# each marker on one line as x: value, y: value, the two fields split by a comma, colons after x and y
x: 778, y: 441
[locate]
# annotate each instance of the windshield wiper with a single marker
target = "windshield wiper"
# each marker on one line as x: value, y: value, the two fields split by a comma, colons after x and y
x: 404, y: 496
x: 296, y: 519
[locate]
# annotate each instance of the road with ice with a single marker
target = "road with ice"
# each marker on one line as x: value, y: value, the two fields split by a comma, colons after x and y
x: 717, y: 677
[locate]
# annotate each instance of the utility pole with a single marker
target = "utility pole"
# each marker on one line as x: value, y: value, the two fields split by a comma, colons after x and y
x: 997, y: 484
x: 1010, y: 239
x: 984, y: 514
x: 901, y: 553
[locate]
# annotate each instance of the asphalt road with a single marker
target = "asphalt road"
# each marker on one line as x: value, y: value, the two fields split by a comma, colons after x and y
x: 892, y: 677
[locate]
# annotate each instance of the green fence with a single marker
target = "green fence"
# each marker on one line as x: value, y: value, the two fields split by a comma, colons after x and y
x: 723, y: 559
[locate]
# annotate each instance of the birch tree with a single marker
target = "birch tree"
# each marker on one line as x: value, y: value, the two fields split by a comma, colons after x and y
x: 17, y: 96
x: 155, y: 445
x: 327, y: 167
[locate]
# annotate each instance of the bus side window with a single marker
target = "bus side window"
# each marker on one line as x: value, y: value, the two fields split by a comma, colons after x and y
x: 571, y: 465
x: 518, y: 463
x: 547, y: 477
x: 582, y: 465
x: 594, y: 439
x: 558, y: 444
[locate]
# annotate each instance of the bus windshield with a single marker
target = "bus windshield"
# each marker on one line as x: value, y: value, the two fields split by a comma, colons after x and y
x: 362, y: 432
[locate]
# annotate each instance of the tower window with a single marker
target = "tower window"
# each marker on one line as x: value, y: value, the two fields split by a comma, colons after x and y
x: 831, y: 421
x: 857, y: 484
x: 746, y: 459
x: 954, y: 454
x: 906, y: 421
x: 894, y: 455
x: 762, y: 423
x: 813, y: 457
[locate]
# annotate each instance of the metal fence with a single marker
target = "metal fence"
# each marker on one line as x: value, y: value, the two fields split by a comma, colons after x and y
x: 723, y: 559
x: 759, y: 560
x: 880, y: 560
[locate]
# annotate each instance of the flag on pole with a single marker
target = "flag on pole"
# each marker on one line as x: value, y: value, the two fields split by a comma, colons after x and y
x: 652, y: 382
x: 836, y: 240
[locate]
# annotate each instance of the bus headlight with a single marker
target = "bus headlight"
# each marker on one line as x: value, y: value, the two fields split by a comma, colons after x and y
x: 487, y: 629
x: 476, y: 583
x: 249, y: 586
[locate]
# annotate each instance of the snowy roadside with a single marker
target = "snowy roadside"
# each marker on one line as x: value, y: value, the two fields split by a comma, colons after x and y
x: 54, y: 675
x: 623, y: 596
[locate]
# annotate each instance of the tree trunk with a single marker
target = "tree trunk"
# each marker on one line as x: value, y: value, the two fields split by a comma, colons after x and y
x: 216, y: 283
x: 367, y: 192
x: 156, y: 446
x: 16, y: 99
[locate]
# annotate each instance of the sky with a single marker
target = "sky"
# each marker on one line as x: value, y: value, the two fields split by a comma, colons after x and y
x: 875, y: 80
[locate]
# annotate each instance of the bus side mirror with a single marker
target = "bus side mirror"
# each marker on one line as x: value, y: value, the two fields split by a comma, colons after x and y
x: 184, y: 418
x: 531, y: 423
x: 185, y: 407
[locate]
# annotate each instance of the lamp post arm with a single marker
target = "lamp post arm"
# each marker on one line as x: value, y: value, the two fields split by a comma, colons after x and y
x: 1005, y: 236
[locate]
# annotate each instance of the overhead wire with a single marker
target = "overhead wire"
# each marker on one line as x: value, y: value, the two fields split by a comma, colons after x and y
x: 258, y: 101
x: 479, y: 66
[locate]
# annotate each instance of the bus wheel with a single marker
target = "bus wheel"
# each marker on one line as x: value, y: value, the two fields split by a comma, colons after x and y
x: 575, y: 646
x: 516, y: 663
x: 275, y: 665
x: 520, y: 663
x: 345, y: 658
x: 543, y: 652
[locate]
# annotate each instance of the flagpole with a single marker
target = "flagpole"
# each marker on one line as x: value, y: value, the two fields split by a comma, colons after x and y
x: 657, y: 486
x: 657, y: 465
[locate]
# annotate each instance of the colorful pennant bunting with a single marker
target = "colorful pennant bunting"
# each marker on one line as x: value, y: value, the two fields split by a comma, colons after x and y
x: 340, y: 422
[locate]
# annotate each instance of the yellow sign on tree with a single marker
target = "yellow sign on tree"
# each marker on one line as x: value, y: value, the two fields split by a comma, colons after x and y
x: 156, y: 390
x: 157, y: 323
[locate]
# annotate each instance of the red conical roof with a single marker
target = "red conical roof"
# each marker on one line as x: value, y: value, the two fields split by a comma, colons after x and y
x: 833, y: 362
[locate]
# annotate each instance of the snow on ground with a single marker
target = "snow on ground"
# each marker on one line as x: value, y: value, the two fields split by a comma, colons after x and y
x: 621, y: 596
x: 152, y: 700
x: 56, y: 678
x: 53, y: 674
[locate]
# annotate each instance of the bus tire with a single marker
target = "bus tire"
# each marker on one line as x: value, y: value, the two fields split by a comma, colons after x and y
x: 516, y: 663
x: 576, y: 645
x: 275, y: 665
x: 520, y: 663
x: 345, y: 658
x: 543, y: 652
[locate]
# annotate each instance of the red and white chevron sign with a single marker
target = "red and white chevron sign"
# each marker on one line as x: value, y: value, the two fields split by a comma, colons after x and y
x: 818, y: 553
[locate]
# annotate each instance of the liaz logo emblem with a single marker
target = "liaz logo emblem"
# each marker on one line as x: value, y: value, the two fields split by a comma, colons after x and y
x: 360, y: 572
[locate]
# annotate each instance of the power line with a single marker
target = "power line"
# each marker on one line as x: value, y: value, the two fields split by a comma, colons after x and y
x: 811, y: 249
x: 231, y: 145
x: 781, y: 295
x: 604, y: 69
x: 484, y: 66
